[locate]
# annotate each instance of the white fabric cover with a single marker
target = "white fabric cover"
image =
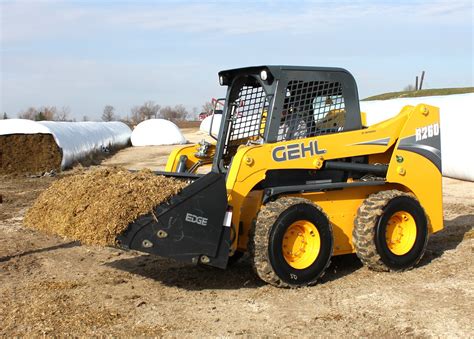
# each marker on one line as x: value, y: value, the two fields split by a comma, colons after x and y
x: 76, y: 139
x: 155, y: 132
x: 216, y: 124
x: 457, y: 122
x: 245, y: 125
x: 22, y: 126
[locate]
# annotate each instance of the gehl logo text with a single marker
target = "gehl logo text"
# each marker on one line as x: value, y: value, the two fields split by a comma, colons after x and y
x: 296, y: 151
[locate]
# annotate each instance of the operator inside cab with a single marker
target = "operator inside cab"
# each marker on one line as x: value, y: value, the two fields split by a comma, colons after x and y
x: 310, y: 117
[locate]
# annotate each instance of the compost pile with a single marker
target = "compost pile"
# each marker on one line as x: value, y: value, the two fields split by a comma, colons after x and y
x: 94, y: 206
x: 29, y: 154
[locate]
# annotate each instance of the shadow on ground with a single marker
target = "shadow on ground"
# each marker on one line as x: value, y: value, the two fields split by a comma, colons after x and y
x: 241, y: 275
x: 187, y: 276
x: 454, y: 232
x: 341, y: 266
x: 40, y: 250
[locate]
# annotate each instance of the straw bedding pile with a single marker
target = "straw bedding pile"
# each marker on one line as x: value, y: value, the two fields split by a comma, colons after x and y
x: 96, y: 205
x: 29, y: 154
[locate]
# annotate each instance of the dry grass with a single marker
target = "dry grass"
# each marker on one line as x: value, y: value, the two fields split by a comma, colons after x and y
x: 421, y: 93
x: 188, y: 124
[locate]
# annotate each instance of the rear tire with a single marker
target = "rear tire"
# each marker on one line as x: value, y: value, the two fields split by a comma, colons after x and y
x: 390, y: 231
x: 291, y: 243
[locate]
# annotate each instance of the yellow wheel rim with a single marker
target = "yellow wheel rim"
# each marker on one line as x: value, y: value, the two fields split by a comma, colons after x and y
x: 401, y: 233
x: 301, y: 244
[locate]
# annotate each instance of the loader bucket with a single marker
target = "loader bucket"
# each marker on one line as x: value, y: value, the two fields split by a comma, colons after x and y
x: 189, y: 227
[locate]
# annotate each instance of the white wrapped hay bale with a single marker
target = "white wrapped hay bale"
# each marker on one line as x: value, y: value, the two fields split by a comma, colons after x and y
x: 78, y: 139
x: 216, y: 124
x: 156, y: 132
x: 457, y: 119
x: 49, y: 145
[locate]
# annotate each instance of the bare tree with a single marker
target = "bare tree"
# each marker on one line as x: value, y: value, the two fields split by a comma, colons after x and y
x: 85, y: 118
x: 194, y: 114
x: 207, y: 107
x: 409, y: 88
x: 127, y: 121
x: 47, y: 113
x: 167, y: 113
x: 135, y: 118
x: 63, y: 114
x: 177, y: 113
x: 181, y: 112
x: 109, y: 113
x: 149, y: 110
x: 30, y: 113
x: 5, y: 116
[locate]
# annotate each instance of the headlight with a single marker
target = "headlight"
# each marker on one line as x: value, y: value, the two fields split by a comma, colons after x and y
x: 264, y: 75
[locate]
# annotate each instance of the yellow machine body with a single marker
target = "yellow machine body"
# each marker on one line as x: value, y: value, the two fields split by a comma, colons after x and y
x: 386, y: 142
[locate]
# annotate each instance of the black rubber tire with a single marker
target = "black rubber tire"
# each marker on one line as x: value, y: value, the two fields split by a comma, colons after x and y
x: 370, y: 227
x: 265, y: 245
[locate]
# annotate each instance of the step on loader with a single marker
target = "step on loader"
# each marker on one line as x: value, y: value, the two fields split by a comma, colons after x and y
x: 295, y: 177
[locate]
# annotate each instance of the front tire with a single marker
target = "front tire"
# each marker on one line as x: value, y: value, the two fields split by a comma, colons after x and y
x: 390, y: 231
x: 291, y: 243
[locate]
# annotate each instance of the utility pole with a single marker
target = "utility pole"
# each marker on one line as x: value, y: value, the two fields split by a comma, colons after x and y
x: 416, y: 83
x: 421, y: 80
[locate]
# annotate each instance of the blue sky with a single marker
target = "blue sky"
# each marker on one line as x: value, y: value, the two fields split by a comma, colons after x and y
x: 88, y: 54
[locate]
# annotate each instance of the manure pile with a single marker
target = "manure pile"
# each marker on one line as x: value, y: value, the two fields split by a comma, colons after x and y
x: 96, y: 205
x: 29, y: 154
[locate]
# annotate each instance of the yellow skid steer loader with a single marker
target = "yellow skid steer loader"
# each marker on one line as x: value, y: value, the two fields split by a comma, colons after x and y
x: 296, y: 176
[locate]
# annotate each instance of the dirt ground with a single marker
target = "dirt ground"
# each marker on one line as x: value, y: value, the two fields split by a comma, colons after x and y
x: 151, y: 157
x: 54, y: 287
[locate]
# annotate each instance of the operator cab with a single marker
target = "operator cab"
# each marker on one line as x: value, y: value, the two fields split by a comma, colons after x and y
x: 268, y: 104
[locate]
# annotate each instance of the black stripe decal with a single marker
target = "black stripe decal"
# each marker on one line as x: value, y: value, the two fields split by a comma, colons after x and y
x: 429, y: 148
